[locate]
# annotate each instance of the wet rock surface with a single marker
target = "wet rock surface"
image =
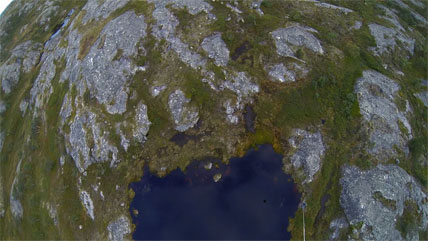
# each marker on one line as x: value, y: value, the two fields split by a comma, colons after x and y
x: 376, y: 94
x: 361, y: 205
x: 250, y: 119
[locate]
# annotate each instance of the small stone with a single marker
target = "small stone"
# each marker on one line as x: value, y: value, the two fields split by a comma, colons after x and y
x: 217, y: 177
x: 208, y: 166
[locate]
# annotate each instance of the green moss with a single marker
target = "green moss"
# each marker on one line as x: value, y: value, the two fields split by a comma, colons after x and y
x: 199, y: 92
x: 410, y: 219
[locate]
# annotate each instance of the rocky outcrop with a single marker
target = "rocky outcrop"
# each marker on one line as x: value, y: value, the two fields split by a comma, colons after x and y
x: 376, y: 95
x: 423, y: 96
x: 118, y: 229
x: 156, y: 90
x: 184, y: 117
x: 87, y: 202
x: 308, y: 151
x: 107, y: 78
x: 244, y: 88
x: 15, y: 204
x: 334, y: 7
x: 142, y: 123
x: 295, y: 36
x: 84, y: 127
x: 166, y: 24
x: 216, y: 49
x: 23, y: 58
x: 280, y: 73
x: 336, y: 226
x: 284, y: 74
x: 376, y: 199
x: 388, y: 38
x: 96, y: 11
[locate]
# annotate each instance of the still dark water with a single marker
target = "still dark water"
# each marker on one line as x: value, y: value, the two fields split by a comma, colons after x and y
x: 253, y: 200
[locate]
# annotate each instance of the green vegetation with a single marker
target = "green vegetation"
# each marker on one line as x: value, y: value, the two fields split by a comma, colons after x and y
x: 324, y: 99
x: 410, y: 219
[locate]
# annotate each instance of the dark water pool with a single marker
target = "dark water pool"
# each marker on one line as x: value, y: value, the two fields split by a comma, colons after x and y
x: 253, y: 200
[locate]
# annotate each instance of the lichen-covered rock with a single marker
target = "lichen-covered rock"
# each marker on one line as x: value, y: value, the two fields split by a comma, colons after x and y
x: 87, y: 202
x: 244, y: 88
x: 336, y: 226
x: 192, y: 6
x: 242, y: 85
x: 83, y: 127
x: 118, y: 229
x: 15, y: 204
x: 53, y: 214
x: 308, y: 151
x: 386, y: 39
x: 216, y: 49
x: 96, y: 11
x: 416, y: 15
x: 142, y: 123
x: 423, y: 96
x: 357, y: 25
x: 156, y: 90
x: 184, y: 117
x: 231, y: 110
x: 256, y: 4
x: 296, y: 36
x: 23, y: 58
x: 106, y: 77
x: 166, y: 23
x: 376, y: 198
x: 280, y: 73
x: 376, y: 94
x: 334, y: 7
x: 23, y: 106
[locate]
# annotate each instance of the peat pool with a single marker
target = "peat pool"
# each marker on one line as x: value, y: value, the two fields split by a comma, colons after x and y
x: 253, y: 200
